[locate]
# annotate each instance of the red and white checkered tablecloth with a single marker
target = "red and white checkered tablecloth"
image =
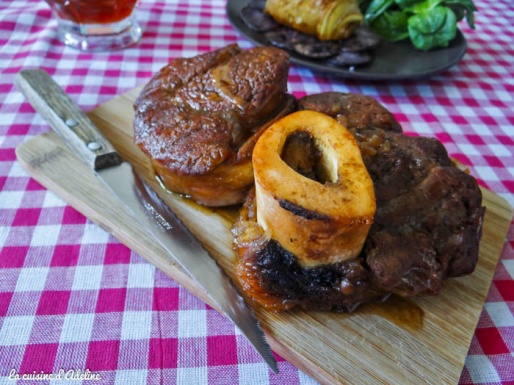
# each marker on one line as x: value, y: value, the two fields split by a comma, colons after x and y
x: 73, y: 297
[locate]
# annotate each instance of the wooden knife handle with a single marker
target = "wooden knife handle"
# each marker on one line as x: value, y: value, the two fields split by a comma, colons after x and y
x: 65, y: 117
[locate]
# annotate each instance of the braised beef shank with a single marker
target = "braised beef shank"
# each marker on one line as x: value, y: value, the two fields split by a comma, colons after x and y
x: 427, y: 226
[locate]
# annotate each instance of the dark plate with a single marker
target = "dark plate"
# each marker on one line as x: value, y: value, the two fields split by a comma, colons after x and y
x: 392, y: 61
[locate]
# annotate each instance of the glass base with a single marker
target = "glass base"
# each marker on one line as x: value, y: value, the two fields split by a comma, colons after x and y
x: 99, y: 37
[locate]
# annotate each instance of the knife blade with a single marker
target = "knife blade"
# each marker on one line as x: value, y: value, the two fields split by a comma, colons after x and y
x: 85, y: 140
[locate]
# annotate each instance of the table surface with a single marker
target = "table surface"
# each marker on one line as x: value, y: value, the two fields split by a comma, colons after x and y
x: 74, y: 298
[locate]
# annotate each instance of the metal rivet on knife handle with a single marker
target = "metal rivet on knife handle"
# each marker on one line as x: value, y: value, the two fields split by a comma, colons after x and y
x: 71, y: 122
x: 94, y: 146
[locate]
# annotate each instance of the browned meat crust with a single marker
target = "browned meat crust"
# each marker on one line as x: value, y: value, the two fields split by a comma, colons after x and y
x: 429, y: 214
x: 196, y: 114
x: 353, y: 111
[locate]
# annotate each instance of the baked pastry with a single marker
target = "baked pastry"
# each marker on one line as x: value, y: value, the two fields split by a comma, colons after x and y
x: 198, y: 118
x: 325, y: 19
x: 426, y: 228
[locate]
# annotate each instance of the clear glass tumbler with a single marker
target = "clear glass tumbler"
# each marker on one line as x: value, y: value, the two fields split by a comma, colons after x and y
x: 96, y: 25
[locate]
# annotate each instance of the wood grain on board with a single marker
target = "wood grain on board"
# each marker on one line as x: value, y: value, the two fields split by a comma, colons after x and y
x: 414, y: 341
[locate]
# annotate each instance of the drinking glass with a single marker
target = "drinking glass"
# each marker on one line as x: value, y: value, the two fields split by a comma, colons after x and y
x: 96, y: 25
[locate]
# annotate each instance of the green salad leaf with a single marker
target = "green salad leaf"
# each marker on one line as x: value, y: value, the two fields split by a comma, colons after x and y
x: 463, y: 8
x: 429, y: 24
x: 392, y: 25
x: 404, y: 4
x: 376, y: 8
x: 434, y: 28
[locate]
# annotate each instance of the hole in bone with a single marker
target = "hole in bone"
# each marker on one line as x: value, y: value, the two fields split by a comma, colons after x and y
x: 303, y: 154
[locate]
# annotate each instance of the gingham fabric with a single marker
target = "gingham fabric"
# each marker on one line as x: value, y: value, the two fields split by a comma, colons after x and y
x: 73, y: 298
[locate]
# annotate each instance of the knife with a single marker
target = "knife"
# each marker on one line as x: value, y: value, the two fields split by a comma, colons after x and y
x: 89, y: 145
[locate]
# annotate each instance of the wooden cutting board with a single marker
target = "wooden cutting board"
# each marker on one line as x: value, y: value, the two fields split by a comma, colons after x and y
x: 414, y: 341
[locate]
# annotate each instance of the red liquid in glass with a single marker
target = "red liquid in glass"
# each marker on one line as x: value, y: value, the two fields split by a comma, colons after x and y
x: 93, y: 11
